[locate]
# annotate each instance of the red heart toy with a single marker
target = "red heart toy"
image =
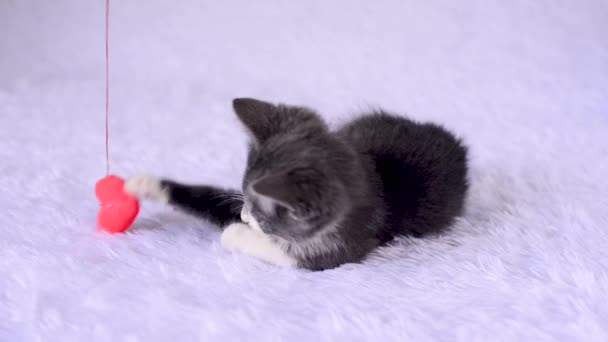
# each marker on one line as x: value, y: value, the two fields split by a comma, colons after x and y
x: 118, y: 208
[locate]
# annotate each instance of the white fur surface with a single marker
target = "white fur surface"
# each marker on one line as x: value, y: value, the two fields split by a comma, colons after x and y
x: 525, y: 83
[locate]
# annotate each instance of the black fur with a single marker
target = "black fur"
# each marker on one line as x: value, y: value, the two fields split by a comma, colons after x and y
x: 334, y: 196
x: 219, y: 206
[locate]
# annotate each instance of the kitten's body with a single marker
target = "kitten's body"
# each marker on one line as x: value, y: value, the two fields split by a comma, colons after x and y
x: 317, y: 199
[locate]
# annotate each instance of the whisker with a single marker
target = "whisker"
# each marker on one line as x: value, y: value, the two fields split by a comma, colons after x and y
x: 228, y: 200
x: 221, y: 196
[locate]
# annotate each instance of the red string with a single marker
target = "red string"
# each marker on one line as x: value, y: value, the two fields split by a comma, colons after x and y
x: 107, y: 91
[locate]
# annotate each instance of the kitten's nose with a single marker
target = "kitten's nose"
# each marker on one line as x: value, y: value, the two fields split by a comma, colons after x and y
x: 244, y: 216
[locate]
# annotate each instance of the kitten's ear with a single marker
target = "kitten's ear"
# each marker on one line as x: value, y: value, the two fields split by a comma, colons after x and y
x: 255, y: 115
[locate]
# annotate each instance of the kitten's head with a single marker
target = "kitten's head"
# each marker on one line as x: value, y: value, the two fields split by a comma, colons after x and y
x: 294, y: 184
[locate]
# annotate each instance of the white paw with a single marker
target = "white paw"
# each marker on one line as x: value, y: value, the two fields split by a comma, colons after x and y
x: 240, y: 237
x: 146, y: 187
x: 234, y: 236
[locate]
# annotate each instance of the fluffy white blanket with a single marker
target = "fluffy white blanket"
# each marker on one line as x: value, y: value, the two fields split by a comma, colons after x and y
x: 525, y: 83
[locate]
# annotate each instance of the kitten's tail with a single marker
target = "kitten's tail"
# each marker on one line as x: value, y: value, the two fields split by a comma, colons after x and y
x: 217, y: 205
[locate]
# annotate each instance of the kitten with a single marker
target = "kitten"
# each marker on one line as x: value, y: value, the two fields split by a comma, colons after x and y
x: 315, y: 198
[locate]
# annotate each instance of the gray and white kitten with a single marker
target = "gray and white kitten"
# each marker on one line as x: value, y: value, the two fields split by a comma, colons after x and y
x: 316, y: 198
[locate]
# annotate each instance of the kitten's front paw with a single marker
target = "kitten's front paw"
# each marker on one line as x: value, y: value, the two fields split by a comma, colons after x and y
x: 240, y: 237
x: 234, y: 235
x: 147, y: 187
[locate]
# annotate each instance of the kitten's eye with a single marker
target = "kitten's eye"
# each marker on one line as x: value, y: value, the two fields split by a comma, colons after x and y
x: 294, y: 217
x: 282, y: 212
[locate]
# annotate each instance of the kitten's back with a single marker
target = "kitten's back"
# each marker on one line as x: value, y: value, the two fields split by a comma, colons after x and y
x: 419, y: 171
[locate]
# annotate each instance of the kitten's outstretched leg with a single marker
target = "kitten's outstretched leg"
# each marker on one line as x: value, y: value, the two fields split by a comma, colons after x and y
x: 219, y: 206
x: 222, y: 207
x: 240, y: 237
